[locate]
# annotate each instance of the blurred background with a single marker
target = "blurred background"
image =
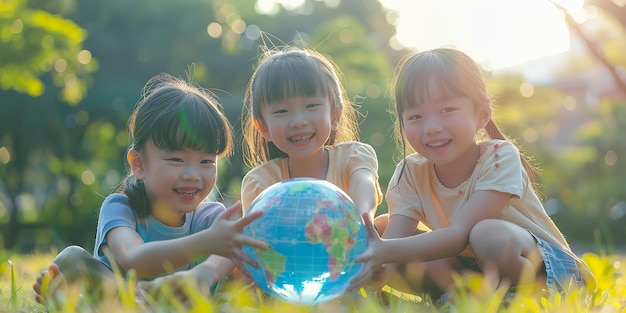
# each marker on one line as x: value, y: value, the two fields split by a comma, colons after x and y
x: 71, y: 72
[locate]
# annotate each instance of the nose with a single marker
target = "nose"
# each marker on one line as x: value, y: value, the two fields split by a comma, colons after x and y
x: 191, y: 173
x: 298, y: 119
x: 432, y: 125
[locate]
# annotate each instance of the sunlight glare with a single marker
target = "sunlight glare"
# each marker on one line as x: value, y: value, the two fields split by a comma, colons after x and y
x: 498, y: 33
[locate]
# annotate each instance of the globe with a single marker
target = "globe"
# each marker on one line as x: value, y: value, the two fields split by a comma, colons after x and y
x: 314, y: 232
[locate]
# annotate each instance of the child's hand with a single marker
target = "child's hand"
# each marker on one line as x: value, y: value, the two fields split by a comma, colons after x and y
x: 227, y: 236
x: 372, y: 259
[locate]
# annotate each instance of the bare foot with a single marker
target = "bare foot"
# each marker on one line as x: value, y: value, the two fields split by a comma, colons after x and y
x: 47, y: 283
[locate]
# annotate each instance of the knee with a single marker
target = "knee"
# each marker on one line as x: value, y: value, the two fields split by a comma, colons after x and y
x: 491, y: 234
x: 380, y: 222
x: 70, y: 256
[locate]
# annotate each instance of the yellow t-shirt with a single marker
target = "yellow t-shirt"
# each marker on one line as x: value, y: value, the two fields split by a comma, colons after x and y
x: 343, y: 159
x: 499, y: 168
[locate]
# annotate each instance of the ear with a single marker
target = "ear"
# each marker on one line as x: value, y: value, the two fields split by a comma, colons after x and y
x: 484, y: 116
x: 262, y: 128
x: 136, y: 163
x: 336, y: 117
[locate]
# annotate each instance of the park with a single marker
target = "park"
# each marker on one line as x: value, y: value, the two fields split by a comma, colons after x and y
x: 72, y: 71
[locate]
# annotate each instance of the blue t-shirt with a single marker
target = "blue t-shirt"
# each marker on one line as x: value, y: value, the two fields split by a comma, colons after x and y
x: 116, y: 212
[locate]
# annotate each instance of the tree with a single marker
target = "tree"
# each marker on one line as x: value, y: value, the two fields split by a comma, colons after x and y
x: 71, y: 156
x: 38, y: 49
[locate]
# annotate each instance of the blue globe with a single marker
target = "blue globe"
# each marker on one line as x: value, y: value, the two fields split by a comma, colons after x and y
x: 314, y: 232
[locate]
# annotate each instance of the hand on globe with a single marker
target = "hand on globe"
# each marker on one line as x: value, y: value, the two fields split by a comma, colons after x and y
x: 372, y: 259
x: 314, y: 232
x: 227, y: 236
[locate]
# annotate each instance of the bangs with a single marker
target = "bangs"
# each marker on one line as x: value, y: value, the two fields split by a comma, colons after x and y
x: 191, y: 124
x: 432, y: 78
x: 292, y: 75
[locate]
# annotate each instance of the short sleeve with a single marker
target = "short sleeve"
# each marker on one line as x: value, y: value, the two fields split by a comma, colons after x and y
x: 114, y: 212
x: 402, y: 194
x: 205, y: 215
x: 501, y: 169
x: 250, y: 189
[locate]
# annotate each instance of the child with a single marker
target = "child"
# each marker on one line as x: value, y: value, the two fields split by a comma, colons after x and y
x: 476, y: 196
x: 298, y: 123
x: 157, y: 221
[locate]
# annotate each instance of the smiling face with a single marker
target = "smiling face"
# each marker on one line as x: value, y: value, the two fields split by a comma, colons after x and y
x: 299, y: 126
x: 176, y: 181
x: 441, y: 104
x: 444, y: 129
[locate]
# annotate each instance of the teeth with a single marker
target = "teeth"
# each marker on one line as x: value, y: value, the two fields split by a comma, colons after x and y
x: 187, y: 193
x: 301, y: 138
x: 437, y: 144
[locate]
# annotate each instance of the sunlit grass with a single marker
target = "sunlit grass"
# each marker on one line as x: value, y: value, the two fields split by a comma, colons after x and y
x: 18, y: 273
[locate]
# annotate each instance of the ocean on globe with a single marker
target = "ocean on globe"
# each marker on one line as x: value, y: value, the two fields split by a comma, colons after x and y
x: 314, y: 232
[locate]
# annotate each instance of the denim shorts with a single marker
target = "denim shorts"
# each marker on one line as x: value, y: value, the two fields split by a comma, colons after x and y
x: 561, y: 267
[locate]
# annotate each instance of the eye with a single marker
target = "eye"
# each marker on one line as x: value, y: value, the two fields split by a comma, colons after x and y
x: 279, y: 111
x: 448, y: 109
x: 312, y: 105
x: 177, y: 160
x: 210, y: 162
x: 413, y: 117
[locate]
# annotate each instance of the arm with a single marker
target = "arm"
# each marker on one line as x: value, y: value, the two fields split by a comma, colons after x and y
x: 213, y: 269
x: 363, y: 191
x: 202, y: 277
x: 444, y: 242
x: 224, y: 238
x: 436, y: 244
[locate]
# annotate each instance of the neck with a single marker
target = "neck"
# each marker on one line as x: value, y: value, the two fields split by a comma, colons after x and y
x: 314, y: 167
x: 454, y: 174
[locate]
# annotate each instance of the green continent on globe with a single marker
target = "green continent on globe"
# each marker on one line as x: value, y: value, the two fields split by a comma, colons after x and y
x: 273, y: 263
x: 335, y: 235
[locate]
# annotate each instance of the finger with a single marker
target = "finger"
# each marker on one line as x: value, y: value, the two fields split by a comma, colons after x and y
x: 247, y: 259
x: 231, y: 211
x: 369, y: 226
x: 242, y: 268
x: 249, y: 218
x: 251, y: 241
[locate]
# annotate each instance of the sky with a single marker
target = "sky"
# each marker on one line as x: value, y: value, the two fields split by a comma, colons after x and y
x: 496, y: 33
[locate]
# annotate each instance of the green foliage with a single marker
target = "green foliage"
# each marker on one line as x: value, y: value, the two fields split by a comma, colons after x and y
x: 35, y: 42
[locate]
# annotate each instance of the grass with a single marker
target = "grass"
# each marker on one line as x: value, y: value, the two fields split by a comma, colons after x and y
x: 18, y: 272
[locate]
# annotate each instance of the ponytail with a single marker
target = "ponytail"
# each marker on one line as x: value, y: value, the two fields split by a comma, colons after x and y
x: 135, y: 190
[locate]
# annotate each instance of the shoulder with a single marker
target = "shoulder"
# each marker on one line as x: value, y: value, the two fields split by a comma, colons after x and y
x: 412, y: 162
x: 498, y: 151
x: 500, y: 146
x: 261, y: 177
x: 272, y: 167
x: 206, y: 213
x: 210, y: 207
x: 411, y: 169
x: 353, y: 150
x: 348, y: 147
x: 116, y: 204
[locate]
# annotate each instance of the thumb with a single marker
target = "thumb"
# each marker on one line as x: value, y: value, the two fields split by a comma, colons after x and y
x: 369, y: 226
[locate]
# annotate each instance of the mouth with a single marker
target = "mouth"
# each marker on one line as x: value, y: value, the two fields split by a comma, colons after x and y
x: 301, y: 138
x: 438, y: 144
x: 187, y: 192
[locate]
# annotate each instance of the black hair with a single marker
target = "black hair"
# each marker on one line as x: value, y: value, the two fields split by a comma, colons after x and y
x: 174, y: 114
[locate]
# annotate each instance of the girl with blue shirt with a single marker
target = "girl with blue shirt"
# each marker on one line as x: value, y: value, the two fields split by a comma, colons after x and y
x: 157, y: 222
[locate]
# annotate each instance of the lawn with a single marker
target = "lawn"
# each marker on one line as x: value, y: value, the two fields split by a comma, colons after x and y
x: 18, y: 272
